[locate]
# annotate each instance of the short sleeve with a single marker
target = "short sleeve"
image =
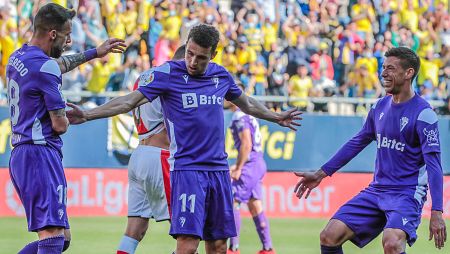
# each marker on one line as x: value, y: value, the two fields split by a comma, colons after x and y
x: 427, y: 130
x: 154, y: 82
x: 243, y: 123
x: 233, y: 91
x: 50, y: 84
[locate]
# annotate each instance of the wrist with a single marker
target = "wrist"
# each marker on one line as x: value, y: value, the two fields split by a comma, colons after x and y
x: 321, y: 174
x: 90, y: 54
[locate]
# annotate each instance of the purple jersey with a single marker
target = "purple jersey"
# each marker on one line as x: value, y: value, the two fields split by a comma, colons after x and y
x: 241, y: 121
x: 193, y: 110
x: 34, y: 82
x: 405, y: 133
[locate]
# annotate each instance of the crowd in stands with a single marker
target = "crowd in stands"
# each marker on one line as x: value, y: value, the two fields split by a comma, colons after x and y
x: 295, y: 48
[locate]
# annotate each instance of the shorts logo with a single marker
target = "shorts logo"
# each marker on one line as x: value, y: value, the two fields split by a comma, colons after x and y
x: 60, y: 213
x: 182, y: 221
x: 432, y: 137
x: 404, y: 220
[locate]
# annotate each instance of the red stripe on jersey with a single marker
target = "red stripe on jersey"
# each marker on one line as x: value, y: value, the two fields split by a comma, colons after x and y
x: 141, y: 129
x: 165, y: 167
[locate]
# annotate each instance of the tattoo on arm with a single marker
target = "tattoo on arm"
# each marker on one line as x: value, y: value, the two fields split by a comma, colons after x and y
x: 70, y: 62
x: 59, y: 112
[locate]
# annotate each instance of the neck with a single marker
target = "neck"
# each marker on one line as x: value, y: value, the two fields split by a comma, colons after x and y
x: 404, y: 95
x: 40, y: 44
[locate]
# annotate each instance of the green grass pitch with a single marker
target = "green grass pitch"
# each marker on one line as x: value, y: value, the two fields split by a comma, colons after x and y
x: 102, y: 234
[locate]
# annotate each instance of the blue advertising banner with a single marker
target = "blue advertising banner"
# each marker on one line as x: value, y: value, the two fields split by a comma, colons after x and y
x: 107, y: 143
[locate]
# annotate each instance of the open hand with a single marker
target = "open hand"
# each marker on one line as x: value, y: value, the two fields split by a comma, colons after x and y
x: 76, y: 115
x: 307, y: 182
x: 112, y: 45
x: 288, y: 118
x: 438, y: 230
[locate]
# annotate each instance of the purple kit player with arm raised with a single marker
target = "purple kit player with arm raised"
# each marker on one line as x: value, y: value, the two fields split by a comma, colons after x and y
x: 247, y: 175
x: 408, y: 158
x: 192, y: 94
x: 37, y: 114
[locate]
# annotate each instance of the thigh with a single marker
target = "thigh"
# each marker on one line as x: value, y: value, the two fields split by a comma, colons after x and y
x: 188, y: 202
x: 219, y: 222
x: 363, y: 216
x: 402, y: 212
x: 138, y: 202
x: 41, y: 185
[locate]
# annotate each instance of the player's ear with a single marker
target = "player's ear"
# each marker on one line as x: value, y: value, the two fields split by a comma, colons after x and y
x: 52, y: 34
x: 409, y: 73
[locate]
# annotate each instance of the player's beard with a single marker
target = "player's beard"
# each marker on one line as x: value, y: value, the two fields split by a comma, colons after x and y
x: 56, y: 51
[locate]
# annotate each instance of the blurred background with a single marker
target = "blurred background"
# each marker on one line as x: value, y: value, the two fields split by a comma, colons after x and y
x: 303, y: 52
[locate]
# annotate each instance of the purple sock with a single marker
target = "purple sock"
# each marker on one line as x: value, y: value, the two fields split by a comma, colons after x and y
x: 263, y: 229
x: 51, y: 245
x: 331, y: 250
x: 31, y: 248
x: 234, y: 241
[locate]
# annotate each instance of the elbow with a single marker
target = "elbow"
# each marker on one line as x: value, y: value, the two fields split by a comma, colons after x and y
x: 60, y: 128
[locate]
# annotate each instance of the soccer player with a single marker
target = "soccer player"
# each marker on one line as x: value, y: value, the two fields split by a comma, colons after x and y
x: 148, y: 172
x: 247, y: 175
x: 405, y: 129
x: 192, y: 94
x: 37, y: 114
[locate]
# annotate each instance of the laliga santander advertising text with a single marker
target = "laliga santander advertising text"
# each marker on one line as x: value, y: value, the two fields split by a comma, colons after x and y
x: 103, y: 192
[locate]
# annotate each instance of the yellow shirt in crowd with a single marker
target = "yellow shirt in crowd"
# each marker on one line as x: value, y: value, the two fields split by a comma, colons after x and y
x: 300, y: 87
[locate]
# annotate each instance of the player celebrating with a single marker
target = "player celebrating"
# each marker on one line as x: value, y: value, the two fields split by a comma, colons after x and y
x: 37, y: 114
x: 247, y: 175
x: 148, y: 172
x: 192, y: 93
x: 408, y: 155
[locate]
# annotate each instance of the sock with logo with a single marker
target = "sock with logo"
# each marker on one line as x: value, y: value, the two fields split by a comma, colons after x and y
x: 234, y: 241
x: 263, y: 229
x: 127, y: 245
x: 30, y: 248
x: 331, y: 249
x: 51, y: 245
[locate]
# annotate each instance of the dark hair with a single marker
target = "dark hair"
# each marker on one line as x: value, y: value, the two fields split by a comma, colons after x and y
x: 179, y: 53
x: 205, y: 35
x: 52, y: 17
x: 408, y: 58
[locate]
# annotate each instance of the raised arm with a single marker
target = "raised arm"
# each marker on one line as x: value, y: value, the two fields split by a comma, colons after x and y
x: 69, y: 62
x: 116, y: 106
x: 252, y: 107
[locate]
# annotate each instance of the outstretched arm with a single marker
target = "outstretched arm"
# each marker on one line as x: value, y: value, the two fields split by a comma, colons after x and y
x: 116, y: 106
x: 252, y: 107
x: 69, y: 62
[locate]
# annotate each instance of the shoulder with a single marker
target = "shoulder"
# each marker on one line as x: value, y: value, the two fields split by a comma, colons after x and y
x: 427, y: 115
x: 238, y: 115
x: 380, y: 102
x: 148, y: 76
x: 50, y: 66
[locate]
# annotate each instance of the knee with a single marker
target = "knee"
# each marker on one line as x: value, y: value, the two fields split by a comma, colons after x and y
x: 392, y: 245
x: 329, y: 238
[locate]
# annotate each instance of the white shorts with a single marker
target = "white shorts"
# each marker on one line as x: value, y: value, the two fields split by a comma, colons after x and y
x: 149, y: 184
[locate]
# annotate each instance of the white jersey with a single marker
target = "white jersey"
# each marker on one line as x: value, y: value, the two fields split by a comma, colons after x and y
x: 148, y: 117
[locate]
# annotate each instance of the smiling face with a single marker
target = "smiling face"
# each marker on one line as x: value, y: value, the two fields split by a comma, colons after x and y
x: 197, y: 58
x: 395, y: 76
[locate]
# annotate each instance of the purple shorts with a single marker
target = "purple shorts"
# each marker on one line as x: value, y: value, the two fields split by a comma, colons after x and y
x: 249, y: 185
x: 202, y: 204
x: 38, y: 177
x: 369, y: 213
